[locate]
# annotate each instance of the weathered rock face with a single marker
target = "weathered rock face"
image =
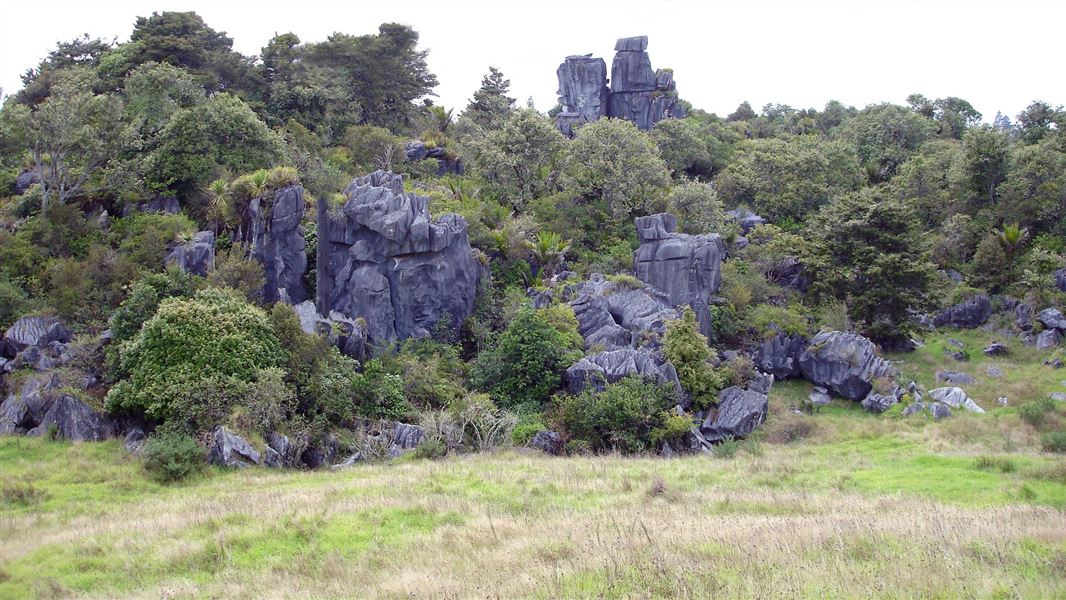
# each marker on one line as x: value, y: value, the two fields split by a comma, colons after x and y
x: 955, y: 377
x: 968, y: 315
x: 228, y: 449
x: 638, y: 93
x: 844, y: 363
x: 779, y: 355
x: 746, y: 219
x: 616, y: 316
x: 197, y: 256
x: 416, y: 150
x: 955, y: 397
x: 1048, y: 338
x: 1060, y: 279
x: 1052, y: 319
x: 382, y: 259
x: 878, y: 403
x: 278, y: 244
x: 37, y: 409
x: 687, y: 268
x: 25, y: 180
x: 583, y: 91
x: 33, y: 331
x: 739, y: 412
x: 595, y: 371
x: 548, y: 442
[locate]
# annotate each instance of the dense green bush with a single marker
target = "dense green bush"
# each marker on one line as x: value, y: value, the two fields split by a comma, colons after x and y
x: 142, y: 302
x: 527, y: 363
x: 623, y: 417
x: 171, y: 456
x: 146, y: 238
x: 214, y: 334
x: 686, y: 348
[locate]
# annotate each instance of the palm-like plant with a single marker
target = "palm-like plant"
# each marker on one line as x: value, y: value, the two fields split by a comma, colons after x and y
x: 548, y: 251
x: 258, y: 183
x: 219, y: 202
x: 1011, y: 239
x: 441, y: 118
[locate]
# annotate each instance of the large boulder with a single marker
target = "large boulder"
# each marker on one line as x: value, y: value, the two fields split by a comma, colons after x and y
x: 548, y: 442
x: 278, y: 244
x: 687, y: 268
x: 36, y: 331
x: 1049, y: 338
x: 746, y: 219
x: 844, y: 363
x: 955, y: 397
x: 739, y: 412
x: 382, y: 259
x: 197, y: 256
x: 968, y: 315
x: 779, y: 355
x: 25, y: 180
x: 1060, y: 279
x: 1052, y: 319
x: 38, y: 408
x: 595, y: 371
x: 227, y: 449
x: 71, y: 419
x: 615, y: 315
x: 583, y: 92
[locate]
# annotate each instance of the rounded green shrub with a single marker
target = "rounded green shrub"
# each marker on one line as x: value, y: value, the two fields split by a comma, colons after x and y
x: 171, y: 456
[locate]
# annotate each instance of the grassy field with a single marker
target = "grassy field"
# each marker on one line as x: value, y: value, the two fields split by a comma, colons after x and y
x: 835, y: 504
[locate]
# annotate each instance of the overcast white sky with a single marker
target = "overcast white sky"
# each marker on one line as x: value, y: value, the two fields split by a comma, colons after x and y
x: 997, y: 55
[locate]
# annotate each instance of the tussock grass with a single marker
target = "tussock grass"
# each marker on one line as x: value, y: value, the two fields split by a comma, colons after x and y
x: 857, y: 517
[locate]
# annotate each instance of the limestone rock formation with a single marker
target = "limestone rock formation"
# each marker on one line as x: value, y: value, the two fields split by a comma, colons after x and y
x: 197, y: 256
x: 1060, y: 279
x: 382, y: 259
x: 1049, y: 338
x: 595, y: 371
x: 25, y: 180
x: 638, y: 93
x: 955, y: 397
x: 746, y: 219
x: 616, y: 316
x: 1052, y: 319
x: 687, y: 268
x: 227, y: 449
x: 38, y: 407
x: 548, y: 442
x: 779, y: 355
x: 583, y: 91
x: 37, y: 331
x: 968, y: 315
x: 844, y: 363
x: 278, y: 244
x: 739, y: 412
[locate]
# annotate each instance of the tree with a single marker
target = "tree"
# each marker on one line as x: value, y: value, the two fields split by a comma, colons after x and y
x: 955, y: 116
x: 686, y: 348
x: 528, y: 362
x: 885, y: 136
x: 183, y: 39
x: 933, y: 180
x: 872, y: 257
x: 612, y: 161
x: 223, y: 132
x: 519, y: 156
x: 743, y: 112
x: 382, y: 74
x: 1036, y: 120
x: 1011, y: 239
x: 985, y: 159
x: 80, y: 52
x: 785, y: 179
x: 697, y: 206
x: 491, y: 105
x: 74, y: 134
x: 1034, y: 192
x: 155, y: 91
x: 693, y: 147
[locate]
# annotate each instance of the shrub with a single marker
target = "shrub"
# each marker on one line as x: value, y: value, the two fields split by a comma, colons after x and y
x: 674, y: 430
x: 1035, y: 412
x: 727, y: 448
x: 483, y: 426
x: 14, y: 302
x: 236, y: 271
x: 215, y: 334
x: 171, y: 456
x: 269, y: 400
x: 767, y: 320
x: 527, y: 363
x: 432, y: 372
x: 147, y: 238
x: 622, y: 417
x: 686, y: 348
x: 1054, y: 441
x: 141, y: 304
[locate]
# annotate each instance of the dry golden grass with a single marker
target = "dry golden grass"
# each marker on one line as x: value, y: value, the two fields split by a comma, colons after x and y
x: 516, y: 525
